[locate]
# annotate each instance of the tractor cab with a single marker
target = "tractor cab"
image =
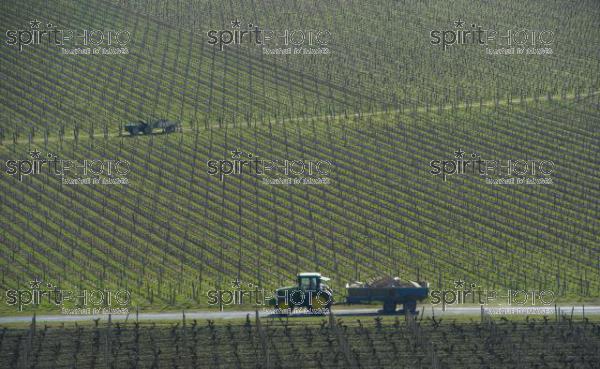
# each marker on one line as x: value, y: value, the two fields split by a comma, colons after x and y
x: 310, y: 281
x: 309, y: 292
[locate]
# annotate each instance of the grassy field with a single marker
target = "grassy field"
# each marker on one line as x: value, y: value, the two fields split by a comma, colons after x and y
x: 378, y: 110
x: 175, y: 232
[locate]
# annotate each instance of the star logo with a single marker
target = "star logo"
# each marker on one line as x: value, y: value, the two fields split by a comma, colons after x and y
x: 35, y: 24
x: 236, y: 283
x: 459, y: 284
x: 459, y: 24
x: 35, y: 154
x: 235, y: 23
x: 35, y: 284
x: 235, y: 154
x: 459, y: 154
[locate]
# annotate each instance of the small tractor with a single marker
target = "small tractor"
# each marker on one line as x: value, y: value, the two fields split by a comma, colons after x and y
x: 146, y: 128
x: 310, y: 292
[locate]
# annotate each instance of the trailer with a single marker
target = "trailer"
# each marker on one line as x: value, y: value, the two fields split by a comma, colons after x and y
x: 391, y: 292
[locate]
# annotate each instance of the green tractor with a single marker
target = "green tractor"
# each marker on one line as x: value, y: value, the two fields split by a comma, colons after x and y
x: 310, y: 293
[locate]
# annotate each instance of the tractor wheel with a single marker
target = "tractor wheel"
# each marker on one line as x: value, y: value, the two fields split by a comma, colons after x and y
x: 283, y: 307
x: 322, y: 301
x: 134, y: 131
x: 147, y: 130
